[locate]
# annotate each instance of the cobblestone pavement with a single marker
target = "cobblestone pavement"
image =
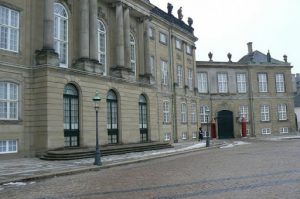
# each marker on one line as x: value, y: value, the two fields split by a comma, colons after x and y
x: 262, y: 169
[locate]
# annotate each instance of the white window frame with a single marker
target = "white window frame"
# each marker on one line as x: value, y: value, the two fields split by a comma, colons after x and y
x: 283, y: 130
x: 241, y: 82
x: 164, y: 72
x: 9, y: 29
x: 282, y: 112
x: 265, y: 113
x: 266, y: 131
x: 222, y: 79
x: 190, y: 79
x: 194, y: 135
x: 166, y: 112
x: 61, y: 37
x: 151, y: 32
x: 262, y: 83
x: 280, y: 83
x: 180, y: 76
x: 132, y: 53
x: 183, y: 109
x: 184, y: 136
x: 167, y: 136
x: 188, y: 49
x: 8, y: 146
x: 202, y: 82
x: 203, y: 115
x: 9, y: 100
x: 193, y: 113
x: 178, y: 44
x: 102, y: 45
x: 244, y: 112
x: 163, y: 38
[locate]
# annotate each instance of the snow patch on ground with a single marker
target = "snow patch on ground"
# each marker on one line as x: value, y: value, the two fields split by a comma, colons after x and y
x: 1, y: 188
x: 15, y: 184
x: 235, y: 143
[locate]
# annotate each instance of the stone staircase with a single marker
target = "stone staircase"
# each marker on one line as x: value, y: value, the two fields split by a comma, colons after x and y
x: 80, y: 153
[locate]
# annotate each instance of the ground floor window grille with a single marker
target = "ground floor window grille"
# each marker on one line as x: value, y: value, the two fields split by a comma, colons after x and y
x: 8, y: 146
x: 284, y: 130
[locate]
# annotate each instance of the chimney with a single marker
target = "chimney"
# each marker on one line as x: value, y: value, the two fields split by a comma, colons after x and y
x: 250, y: 50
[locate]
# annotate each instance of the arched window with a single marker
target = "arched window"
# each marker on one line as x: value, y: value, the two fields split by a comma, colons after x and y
x: 71, y: 116
x: 102, y: 45
x: 61, y: 33
x: 143, y: 118
x: 132, y: 53
x: 9, y: 101
x: 112, y: 118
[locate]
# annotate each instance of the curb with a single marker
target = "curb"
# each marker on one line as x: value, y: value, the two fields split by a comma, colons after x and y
x: 97, y: 168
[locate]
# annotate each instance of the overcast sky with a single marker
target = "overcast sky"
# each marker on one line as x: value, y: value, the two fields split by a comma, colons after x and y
x: 224, y: 26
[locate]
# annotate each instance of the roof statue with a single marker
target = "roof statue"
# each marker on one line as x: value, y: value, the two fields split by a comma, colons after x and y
x: 170, y: 8
x: 179, y: 12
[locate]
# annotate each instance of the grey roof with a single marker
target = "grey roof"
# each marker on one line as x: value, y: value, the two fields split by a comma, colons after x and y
x: 297, y: 100
x: 259, y: 58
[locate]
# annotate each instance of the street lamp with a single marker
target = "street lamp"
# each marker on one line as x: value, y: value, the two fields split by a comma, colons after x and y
x: 97, y: 100
x: 207, y: 133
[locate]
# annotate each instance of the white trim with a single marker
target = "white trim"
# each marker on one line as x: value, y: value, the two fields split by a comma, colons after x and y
x: 283, y: 130
x: 102, y: 52
x: 5, y: 146
x: 266, y: 131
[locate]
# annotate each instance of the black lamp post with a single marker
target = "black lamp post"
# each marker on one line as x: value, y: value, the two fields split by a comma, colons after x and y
x: 207, y: 133
x: 97, y: 100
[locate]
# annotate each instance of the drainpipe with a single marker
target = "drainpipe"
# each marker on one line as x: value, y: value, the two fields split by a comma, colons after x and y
x: 251, y: 103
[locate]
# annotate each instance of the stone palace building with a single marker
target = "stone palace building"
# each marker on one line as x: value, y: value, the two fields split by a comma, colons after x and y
x: 55, y: 55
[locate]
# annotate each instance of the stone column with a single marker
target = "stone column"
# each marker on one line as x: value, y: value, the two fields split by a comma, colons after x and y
x: 93, y: 29
x: 146, y: 47
x: 120, y: 35
x: 47, y: 54
x: 84, y: 50
x: 48, y: 43
x: 127, y: 37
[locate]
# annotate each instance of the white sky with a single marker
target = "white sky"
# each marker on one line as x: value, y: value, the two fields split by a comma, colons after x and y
x: 224, y: 26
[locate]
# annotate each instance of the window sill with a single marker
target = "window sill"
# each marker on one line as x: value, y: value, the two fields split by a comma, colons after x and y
x: 10, y: 122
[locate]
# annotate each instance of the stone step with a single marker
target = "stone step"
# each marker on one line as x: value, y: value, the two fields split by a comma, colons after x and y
x: 80, y: 153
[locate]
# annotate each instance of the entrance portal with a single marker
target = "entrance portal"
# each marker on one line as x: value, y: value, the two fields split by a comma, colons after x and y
x: 225, y: 124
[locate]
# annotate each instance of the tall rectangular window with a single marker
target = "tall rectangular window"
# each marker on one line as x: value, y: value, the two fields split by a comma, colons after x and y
x: 203, y: 114
x: 265, y: 113
x: 202, y: 83
x: 179, y: 76
x: 222, y: 83
x: 262, y: 83
x: 9, y: 29
x: 163, y: 38
x: 193, y: 112
x: 178, y: 44
x: 183, y: 113
x: 190, y: 79
x: 244, y: 111
x: 282, y: 113
x: 8, y: 101
x: 188, y: 49
x: 241, y: 83
x: 164, y: 72
x: 151, y: 32
x: 280, y: 86
x: 166, y: 111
